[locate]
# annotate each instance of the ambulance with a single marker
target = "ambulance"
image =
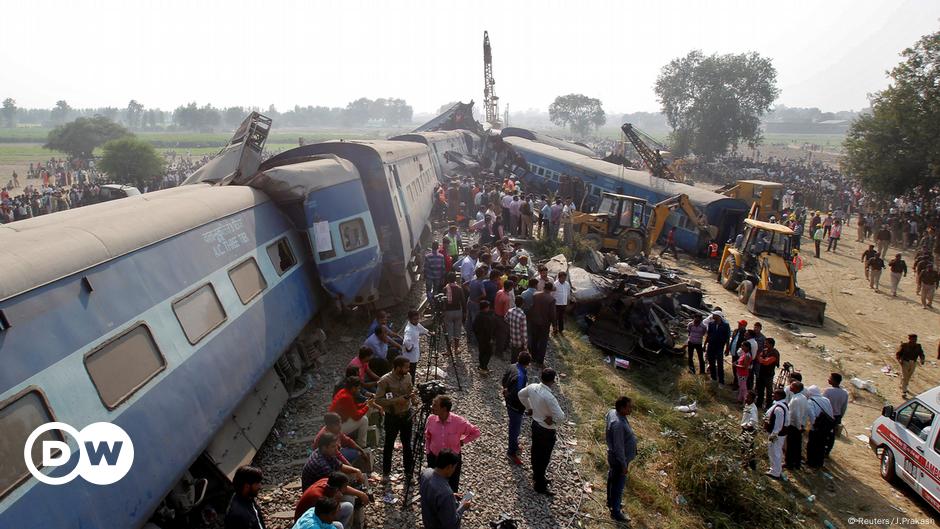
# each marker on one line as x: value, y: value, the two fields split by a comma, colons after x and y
x: 908, y: 441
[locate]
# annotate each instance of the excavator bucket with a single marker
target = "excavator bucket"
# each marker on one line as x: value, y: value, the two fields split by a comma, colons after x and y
x: 781, y: 306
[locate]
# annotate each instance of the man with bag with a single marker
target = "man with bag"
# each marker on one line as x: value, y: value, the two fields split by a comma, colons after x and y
x: 775, y: 420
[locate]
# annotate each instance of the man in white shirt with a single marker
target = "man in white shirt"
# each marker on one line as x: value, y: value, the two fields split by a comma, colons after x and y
x: 562, y: 292
x: 468, y: 264
x: 411, y: 344
x: 796, y: 423
x: 749, y: 421
x: 546, y: 414
x: 839, y: 399
x: 776, y: 418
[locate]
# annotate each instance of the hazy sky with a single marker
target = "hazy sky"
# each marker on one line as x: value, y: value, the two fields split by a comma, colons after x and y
x: 828, y: 54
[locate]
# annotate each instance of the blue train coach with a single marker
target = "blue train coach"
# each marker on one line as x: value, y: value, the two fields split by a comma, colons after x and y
x: 158, y: 313
x: 375, y: 222
x: 546, y: 164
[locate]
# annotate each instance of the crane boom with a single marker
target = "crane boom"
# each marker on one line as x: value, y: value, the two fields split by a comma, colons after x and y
x: 651, y: 158
x: 490, y: 100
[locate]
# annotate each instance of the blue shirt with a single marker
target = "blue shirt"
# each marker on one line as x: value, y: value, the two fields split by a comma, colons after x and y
x: 310, y: 520
x: 491, y: 288
x: 379, y: 348
x: 476, y: 291
x: 621, y: 442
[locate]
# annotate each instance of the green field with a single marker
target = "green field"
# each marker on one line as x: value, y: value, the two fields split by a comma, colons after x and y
x: 23, y: 145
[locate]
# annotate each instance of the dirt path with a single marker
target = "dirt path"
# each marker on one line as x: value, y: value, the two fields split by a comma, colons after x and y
x: 863, y: 330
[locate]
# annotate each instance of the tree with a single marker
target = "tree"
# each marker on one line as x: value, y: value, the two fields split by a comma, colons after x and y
x: 9, y: 112
x: 134, y: 113
x: 232, y: 117
x: 60, y: 114
x: 80, y: 137
x: 130, y: 159
x: 716, y: 102
x: 577, y: 111
x: 894, y: 149
x: 358, y: 112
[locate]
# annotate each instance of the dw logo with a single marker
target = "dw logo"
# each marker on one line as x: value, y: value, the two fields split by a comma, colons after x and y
x: 105, y: 453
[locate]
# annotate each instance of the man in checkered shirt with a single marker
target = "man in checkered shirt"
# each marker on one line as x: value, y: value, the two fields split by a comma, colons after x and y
x: 518, y: 333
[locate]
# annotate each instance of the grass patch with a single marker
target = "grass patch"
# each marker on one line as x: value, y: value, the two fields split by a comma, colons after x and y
x: 689, y: 472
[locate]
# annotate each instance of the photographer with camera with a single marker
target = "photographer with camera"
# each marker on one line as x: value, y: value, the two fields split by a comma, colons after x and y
x: 396, y: 394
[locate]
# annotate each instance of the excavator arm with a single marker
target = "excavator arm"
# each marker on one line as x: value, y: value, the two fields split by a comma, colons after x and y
x: 660, y: 212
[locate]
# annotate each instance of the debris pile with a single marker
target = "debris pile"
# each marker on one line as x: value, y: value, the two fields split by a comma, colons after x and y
x: 636, y: 309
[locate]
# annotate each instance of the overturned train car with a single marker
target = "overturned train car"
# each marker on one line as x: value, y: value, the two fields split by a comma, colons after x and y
x: 176, y: 316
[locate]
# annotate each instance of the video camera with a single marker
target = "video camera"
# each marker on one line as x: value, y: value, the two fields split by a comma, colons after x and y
x: 428, y: 390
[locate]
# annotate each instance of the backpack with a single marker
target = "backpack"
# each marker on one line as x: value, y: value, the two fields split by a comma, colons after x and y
x: 769, y: 422
x: 823, y: 422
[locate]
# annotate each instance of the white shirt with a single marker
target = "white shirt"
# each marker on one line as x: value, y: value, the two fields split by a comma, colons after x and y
x: 775, y: 413
x: 562, y: 292
x: 468, y: 266
x: 749, y: 416
x: 539, y: 398
x: 411, y: 342
x: 798, y: 413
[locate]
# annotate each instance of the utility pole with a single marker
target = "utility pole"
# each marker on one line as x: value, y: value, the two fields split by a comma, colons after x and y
x: 490, y: 100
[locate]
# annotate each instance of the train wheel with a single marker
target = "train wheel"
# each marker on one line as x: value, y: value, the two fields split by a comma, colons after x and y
x: 727, y: 274
x: 630, y: 245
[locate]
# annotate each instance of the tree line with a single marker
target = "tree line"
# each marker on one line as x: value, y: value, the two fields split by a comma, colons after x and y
x: 390, y: 112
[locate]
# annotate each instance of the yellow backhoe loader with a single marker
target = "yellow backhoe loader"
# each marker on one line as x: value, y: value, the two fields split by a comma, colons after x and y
x: 629, y: 225
x: 760, y: 269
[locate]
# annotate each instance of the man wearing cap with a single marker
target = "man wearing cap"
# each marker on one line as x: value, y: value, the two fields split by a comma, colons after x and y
x: 716, y: 341
x: 908, y: 355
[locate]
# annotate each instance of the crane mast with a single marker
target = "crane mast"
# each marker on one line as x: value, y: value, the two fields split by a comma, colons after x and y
x: 651, y: 158
x: 490, y: 101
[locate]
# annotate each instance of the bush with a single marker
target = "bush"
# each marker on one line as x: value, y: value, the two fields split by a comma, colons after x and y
x: 710, y: 474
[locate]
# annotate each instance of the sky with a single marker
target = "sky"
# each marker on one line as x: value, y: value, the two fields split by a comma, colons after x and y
x: 829, y: 54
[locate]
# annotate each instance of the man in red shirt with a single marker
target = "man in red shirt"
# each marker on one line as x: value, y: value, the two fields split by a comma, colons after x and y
x: 504, y: 299
x: 334, y: 487
x: 446, y: 430
x: 354, y: 415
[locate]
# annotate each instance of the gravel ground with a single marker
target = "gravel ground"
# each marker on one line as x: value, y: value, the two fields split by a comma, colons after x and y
x: 498, y: 486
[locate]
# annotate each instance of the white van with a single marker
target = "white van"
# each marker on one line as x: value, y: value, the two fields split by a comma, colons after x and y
x: 908, y: 440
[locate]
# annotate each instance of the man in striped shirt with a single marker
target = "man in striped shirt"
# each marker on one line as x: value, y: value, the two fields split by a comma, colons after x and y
x: 518, y: 332
x: 433, y: 270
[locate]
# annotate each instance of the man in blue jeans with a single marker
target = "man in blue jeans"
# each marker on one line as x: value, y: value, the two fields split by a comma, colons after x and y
x: 514, y: 380
x: 621, y: 449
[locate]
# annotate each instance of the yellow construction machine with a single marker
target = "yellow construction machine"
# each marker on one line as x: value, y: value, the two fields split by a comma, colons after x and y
x: 759, y: 267
x: 768, y: 195
x: 629, y: 225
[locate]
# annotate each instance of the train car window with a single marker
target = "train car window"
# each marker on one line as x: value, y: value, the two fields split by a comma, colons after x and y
x: 541, y: 171
x: 123, y: 365
x: 353, y: 233
x: 19, y: 416
x: 247, y: 279
x: 281, y: 256
x: 199, y: 313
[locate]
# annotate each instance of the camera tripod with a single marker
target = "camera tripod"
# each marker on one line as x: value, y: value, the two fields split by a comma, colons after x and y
x: 438, y: 343
x: 418, y: 419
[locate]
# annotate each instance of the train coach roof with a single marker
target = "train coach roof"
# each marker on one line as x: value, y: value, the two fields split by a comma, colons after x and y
x: 425, y: 137
x: 538, y: 137
x: 294, y: 181
x: 700, y: 197
x: 388, y: 150
x: 43, y: 249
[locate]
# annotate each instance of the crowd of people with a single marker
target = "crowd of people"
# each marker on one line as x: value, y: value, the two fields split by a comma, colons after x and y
x: 58, y: 184
x: 762, y: 383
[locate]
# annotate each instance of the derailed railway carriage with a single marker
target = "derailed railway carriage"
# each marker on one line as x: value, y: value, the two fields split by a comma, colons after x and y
x: 163, y: 313
x: 175, y: 315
